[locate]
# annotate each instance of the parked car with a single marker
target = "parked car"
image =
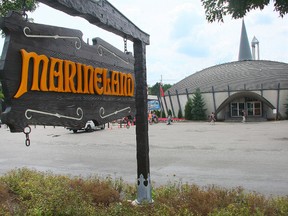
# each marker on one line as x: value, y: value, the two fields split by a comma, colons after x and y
x: 89, y: 126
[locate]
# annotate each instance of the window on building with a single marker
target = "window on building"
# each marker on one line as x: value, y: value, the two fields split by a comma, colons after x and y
x: 236, y: 109
x: 253, y: 108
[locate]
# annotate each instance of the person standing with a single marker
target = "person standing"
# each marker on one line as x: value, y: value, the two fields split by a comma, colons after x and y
x: 243, y: 116
x: 150, y: 117
x: 169, y: 119
x: 212, y: 118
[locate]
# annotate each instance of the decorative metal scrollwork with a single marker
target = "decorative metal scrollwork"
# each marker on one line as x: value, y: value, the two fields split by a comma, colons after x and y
x: 100, y: 52
x: 77, y: 42
x: 102, y: 112
x: 79, y: 113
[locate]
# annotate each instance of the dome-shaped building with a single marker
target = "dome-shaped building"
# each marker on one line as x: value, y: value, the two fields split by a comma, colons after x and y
x: 259, y: 87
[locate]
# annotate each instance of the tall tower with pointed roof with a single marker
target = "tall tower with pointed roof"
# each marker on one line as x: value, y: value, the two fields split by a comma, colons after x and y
x: 244, y: 49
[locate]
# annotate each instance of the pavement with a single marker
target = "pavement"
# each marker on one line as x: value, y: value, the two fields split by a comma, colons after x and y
x: 252, y: 155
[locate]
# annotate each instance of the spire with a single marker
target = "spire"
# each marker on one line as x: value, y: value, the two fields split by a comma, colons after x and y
x: 253, y: 45
x: 244, y: 49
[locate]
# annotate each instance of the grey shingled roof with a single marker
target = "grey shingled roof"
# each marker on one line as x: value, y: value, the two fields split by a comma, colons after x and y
x: 239, y: 75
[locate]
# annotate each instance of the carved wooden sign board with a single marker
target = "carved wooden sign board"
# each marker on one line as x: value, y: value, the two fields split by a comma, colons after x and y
x: 51, y: 77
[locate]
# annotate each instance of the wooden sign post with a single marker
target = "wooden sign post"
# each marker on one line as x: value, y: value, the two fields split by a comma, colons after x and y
x: 78, y: 82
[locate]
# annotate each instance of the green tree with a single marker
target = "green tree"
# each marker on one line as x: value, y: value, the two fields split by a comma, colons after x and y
x: 163, y: 115
x: 154, y: 90
x: 180, y: 115
x: 198, y: 110
x: 1, y: 91
x: 170, y: 112
x: 1, y: 99
x: 188, y: 109
x: 215, y: 10
x: 17, y: 5
x: 286, y: 106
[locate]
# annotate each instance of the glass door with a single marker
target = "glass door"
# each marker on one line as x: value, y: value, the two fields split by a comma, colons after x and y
x: 236, y: 109
x: 250, y: 108
x: 254, y: 108
x: 257, y: 109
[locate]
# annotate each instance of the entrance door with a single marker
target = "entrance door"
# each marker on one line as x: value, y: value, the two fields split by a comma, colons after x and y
x: 236, y: 109
x: 250, y: 108
x: 254, y: 108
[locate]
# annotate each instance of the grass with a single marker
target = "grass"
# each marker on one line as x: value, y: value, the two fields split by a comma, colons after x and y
x: 29, y: 192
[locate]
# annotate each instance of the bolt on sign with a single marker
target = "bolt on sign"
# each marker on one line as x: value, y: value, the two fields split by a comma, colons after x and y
x: 51, y: 77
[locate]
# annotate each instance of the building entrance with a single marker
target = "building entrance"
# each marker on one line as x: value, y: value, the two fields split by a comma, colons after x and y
x: 253, y: 108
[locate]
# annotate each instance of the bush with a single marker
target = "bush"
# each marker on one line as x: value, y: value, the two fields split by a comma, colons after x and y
x: 180, y: 114
x: 157, y: 113
x: 170, y: 112
x: 286, y: 112
x: 188, y: 109
x: 45, y: 193
x: 195, y: 107
x: 198, y: 111
x: 28, y: 192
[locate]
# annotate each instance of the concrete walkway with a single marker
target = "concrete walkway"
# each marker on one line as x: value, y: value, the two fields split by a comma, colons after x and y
x: 251, y: 155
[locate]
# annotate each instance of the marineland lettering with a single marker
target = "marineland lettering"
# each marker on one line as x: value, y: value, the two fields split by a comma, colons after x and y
x: 58, y: 75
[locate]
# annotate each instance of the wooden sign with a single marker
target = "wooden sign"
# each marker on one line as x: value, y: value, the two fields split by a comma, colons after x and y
x: 63, y: 50
x: 51, y: 77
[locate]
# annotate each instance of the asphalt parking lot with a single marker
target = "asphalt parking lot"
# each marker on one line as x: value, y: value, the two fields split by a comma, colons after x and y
x: 250, y: 155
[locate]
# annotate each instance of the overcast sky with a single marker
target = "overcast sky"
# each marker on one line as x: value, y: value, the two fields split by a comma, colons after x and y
x: 182, y: 42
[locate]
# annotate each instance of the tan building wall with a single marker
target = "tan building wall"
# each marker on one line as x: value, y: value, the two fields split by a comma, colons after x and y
x: 220, y: 97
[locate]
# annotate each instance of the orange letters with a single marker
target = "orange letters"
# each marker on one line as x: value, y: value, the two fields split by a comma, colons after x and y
x: 57, y: 75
